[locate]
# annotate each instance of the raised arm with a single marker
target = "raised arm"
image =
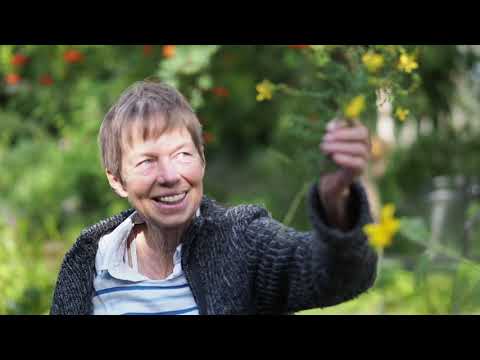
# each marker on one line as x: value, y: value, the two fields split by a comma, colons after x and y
x: 334, y: 262
x: 301, y: 270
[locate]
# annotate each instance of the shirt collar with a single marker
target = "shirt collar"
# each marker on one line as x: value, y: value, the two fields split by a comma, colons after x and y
x: 112, y: 249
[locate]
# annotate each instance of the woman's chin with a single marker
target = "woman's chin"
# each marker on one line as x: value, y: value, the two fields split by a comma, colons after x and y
x: 174, y: 219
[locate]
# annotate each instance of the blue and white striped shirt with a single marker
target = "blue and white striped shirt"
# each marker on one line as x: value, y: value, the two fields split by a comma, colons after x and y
x: 121, y: 289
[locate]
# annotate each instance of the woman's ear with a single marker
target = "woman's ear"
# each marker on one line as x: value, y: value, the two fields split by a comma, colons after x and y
x: 116, y: 184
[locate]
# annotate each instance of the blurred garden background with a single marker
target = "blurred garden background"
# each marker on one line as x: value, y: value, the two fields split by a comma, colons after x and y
x: 263, y: 109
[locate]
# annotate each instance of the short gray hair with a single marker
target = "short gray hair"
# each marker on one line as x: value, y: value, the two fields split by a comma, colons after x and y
x: 143, y: 103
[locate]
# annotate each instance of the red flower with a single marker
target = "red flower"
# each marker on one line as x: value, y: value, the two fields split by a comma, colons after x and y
x: 208, y: 137
x: 73, y: 56
x: 147, y: 50
x: 46, y: 80
x: 168, y: 51
x: 19, y: 60
x: 298, y: 46
x: 221, y: 91
x: 12, y: 79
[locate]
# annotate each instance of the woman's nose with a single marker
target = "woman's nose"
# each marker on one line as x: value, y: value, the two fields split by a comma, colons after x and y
x: 167, y: 174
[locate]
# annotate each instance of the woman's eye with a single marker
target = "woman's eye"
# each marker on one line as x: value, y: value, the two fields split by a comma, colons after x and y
x: 145, y: 162
x: 184, y: 156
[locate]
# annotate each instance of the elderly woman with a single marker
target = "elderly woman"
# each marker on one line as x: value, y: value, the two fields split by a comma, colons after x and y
x: 179, y: 252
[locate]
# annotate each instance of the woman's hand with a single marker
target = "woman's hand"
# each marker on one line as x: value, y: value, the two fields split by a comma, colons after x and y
x: 349, y: 147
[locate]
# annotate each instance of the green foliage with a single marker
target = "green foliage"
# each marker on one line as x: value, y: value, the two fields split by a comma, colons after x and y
x: 405, y: 292
x: 415, y: 230
x: 412, y: 168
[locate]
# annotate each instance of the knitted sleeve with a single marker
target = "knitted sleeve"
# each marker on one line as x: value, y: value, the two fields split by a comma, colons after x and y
x: 295, y: 271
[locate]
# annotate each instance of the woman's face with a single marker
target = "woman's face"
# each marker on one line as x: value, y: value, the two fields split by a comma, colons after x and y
x: 163, y: 177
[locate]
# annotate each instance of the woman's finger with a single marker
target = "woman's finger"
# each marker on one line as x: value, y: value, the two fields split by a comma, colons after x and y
x: 354, y: 163
x: 336, y: 124
x: 358, y: 149
x: 358, y: 133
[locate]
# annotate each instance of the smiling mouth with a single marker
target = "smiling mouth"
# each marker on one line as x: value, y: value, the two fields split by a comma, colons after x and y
x: 171, y: 199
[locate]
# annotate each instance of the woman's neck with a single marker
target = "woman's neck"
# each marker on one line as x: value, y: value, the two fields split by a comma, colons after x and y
x: 155, y: 249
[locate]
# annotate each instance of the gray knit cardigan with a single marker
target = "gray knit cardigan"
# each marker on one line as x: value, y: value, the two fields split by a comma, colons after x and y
x: 239, y: 260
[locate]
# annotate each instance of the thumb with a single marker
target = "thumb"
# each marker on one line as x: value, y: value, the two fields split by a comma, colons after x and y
x: 337, y: 182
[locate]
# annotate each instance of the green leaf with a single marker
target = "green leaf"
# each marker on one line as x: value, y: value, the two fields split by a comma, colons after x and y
x: 414, y: 229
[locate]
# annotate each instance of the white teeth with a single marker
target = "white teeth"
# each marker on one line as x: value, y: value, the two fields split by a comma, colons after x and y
x: 173, y: 198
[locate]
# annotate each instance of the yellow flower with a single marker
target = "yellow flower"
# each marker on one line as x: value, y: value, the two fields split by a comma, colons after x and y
x: 407, y: 63
x: 380, y: 235
x: 355, y: 107
x: 265, y: 90
x: 402, y: 113
x: 372, y: 61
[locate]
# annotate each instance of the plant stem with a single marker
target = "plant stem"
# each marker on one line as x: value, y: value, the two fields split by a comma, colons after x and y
x: 379, y: 263
x: 379, y: 271
x: 295, y: 92
x: 295, y: 204
x: 454, y: 296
